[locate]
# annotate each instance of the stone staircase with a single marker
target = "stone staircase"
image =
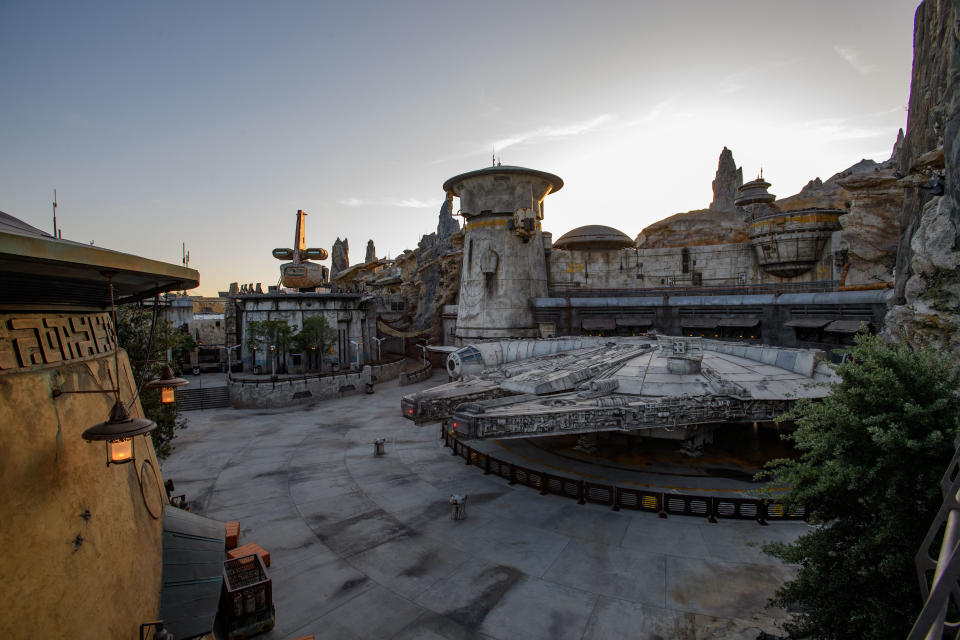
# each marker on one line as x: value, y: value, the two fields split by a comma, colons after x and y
x: 198, y: 399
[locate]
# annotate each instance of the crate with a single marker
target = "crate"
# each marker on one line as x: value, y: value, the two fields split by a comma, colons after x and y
x: 246, y: 599
x: 231, y: 534
x: 247, y: 549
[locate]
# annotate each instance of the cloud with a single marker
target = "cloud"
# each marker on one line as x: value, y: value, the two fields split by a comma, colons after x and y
x: 543, y: 134
x: 406, y: 203
x: 416, y: 203
x: 854, y: 58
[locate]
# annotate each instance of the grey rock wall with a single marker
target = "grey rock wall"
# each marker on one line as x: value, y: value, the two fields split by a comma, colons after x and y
x: 927, y: 285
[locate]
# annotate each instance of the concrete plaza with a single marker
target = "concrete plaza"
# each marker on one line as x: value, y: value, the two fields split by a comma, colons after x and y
x: 363, y: 546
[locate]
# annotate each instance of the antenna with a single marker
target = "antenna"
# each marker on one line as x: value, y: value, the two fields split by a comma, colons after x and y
x: 54, y: 213
x: 761, y: 172
x: 493, y: 157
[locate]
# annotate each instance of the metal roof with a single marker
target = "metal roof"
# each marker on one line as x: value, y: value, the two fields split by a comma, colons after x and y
x: 39, y: 270
x: 594, y: 236
x: 451, y: 184
x: 192, y: 572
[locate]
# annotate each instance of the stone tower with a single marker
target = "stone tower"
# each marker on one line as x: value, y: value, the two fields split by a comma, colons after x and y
x: 504, y: 267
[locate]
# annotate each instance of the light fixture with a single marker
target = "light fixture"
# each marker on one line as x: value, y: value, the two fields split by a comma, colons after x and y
x: 119, y: 430
x: 166, y: 383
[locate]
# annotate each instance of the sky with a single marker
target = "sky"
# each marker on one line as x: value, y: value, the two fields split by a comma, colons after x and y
x: 211, y: 123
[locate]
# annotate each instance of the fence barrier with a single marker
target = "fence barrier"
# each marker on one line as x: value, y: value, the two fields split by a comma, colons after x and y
x: 617, y: 498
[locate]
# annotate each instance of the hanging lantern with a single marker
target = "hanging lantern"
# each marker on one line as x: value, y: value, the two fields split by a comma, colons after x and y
x: 166, y: 383
x: 118, y: 433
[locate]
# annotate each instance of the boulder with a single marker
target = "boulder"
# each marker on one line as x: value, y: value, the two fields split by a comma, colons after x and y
x: 695, y: 228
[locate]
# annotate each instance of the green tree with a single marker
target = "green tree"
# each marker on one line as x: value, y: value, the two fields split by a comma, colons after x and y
x: 267, y: 333
x: 871, y: 457
x: 134, y: 324
x: 314, y: 338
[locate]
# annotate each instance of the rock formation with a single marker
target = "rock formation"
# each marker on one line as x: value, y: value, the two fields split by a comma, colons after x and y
x: 340, y: 257
x: 371, y: 254
x: 870, y: 234
x: 694, y: 228
x: 927, y: 288
x: 447, y: 226
x: 728, y: 179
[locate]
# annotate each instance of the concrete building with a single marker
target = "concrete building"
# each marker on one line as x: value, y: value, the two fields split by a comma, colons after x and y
x: 351, y: 315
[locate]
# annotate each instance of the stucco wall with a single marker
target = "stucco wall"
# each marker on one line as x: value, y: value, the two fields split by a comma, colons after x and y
x: 65, y: 576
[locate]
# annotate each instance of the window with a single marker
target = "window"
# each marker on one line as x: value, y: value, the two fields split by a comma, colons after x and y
x: 685, y: 261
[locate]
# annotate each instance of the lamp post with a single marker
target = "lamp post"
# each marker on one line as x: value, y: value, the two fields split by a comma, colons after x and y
x: 228, y: 350
x: 357, y: 345
x: 378, y: 341
x: 273, y: 361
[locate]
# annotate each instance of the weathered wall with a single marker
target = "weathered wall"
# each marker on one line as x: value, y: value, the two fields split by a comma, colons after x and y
x: 65, y: 576
x: 927, y: 286
x: 286, y: 393
x: 719, y: 265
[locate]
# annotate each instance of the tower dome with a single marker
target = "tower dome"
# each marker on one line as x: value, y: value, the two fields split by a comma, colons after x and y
x: 594, y: 236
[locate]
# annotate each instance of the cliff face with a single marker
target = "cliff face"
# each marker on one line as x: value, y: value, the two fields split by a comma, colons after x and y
x: 431, y: 274
x: 927, y: 288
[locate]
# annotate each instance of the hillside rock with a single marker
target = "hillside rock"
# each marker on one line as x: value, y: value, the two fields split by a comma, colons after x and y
x: 729, y: 178
x: 695, y: 228
x: 817, y: 195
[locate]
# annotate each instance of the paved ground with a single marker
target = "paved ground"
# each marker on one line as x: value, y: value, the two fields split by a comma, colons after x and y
x: 363, y: 547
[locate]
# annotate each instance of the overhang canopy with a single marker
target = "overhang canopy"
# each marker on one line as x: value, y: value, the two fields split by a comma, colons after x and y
x: 845, y: 326
x: 598, y: 324
x: 807, y: 323
x: 38, y: 269
x: 738, y: 322
x: 699, y: 323
x: 635, y: 321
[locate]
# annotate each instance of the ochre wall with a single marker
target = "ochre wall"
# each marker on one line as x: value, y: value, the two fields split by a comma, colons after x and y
x: 52, y: 585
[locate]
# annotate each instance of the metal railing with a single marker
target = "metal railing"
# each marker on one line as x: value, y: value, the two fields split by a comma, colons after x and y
x: 940, y: 577
x: 616, y: 497
x: 306, y: 377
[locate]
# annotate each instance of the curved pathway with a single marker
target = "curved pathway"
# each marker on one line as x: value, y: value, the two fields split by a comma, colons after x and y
x: 363, y: 546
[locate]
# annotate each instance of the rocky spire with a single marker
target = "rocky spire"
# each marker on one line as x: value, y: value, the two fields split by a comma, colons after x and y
x: 340, y: 257
x: 371, y: 252
x: 729, y: 178
x: 447, y: 225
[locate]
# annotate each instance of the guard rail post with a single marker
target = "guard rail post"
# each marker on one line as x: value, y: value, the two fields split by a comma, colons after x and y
x: 581, y: 498
x: 616, y: 498
x: 545, y: 482
x: 513, y: 474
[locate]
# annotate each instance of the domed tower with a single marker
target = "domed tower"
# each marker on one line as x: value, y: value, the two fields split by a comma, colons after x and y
x: 504, y: 267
